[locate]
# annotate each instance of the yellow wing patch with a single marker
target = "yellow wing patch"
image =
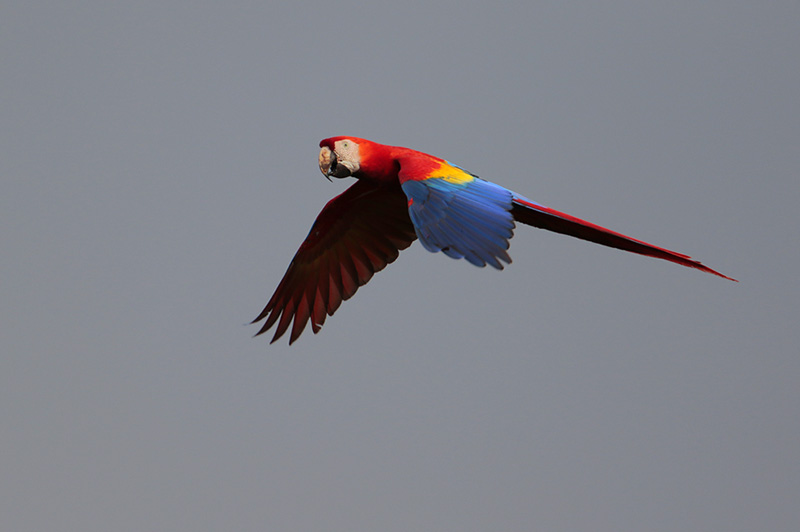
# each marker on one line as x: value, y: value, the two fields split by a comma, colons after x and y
x: 451, y: 174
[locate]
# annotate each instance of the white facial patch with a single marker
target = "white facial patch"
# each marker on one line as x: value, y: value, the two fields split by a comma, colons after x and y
x: 347, y: 155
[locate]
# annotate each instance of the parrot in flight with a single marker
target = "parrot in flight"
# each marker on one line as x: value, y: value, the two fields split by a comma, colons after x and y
x: 401, y: 195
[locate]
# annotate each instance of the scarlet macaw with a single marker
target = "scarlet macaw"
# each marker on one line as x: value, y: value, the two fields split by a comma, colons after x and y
x: 401, y: 195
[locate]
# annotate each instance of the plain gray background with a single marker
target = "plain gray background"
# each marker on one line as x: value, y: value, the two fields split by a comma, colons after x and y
x: 159, y: 170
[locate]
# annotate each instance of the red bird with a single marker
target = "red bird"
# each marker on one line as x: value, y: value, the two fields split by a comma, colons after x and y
x: 401, y: 195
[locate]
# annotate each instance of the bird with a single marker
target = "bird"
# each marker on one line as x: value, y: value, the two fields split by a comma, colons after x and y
x: 401, y: 195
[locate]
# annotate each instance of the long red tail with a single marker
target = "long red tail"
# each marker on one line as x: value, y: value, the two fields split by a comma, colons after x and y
x: 536, y: 215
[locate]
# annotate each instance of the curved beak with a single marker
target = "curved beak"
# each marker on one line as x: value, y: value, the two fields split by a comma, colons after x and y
x: 329, y: 165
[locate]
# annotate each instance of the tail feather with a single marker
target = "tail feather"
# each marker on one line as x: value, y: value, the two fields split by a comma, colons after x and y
x: 530, y: 213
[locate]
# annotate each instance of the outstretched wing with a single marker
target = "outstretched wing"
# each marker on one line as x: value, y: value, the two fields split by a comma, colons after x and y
x: 460, y: 215
x: 357, y: 234
x: 532, y: 213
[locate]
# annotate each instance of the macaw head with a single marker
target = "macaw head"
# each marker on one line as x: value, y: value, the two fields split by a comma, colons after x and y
x: 339, y: 157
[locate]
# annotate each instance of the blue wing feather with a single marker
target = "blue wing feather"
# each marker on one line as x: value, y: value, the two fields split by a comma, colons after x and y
x: 470, y: 220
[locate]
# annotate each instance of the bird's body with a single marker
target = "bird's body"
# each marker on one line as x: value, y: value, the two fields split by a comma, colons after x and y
x: 402, y: 194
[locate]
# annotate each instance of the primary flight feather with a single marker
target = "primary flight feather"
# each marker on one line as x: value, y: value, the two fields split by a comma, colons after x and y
x: 401, y: 195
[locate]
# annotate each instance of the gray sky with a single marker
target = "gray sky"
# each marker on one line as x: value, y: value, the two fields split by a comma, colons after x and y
x: 159, y: 170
